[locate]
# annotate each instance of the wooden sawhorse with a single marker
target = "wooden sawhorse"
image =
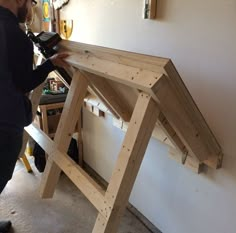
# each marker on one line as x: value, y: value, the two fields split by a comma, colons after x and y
x: 141, y: 90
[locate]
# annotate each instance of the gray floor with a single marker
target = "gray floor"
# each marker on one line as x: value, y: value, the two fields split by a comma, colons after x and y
x: 68, y: 211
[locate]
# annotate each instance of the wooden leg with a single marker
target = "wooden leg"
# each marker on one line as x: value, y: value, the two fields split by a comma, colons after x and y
x: 65, y: 129
x: 130, y: 158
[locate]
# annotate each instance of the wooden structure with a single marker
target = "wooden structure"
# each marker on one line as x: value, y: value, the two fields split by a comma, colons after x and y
x: 142, y: 91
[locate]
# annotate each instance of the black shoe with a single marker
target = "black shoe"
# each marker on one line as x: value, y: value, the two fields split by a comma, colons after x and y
x: 5, y: 226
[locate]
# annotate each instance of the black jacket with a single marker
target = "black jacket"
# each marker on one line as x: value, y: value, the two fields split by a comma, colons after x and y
x: 17, y: 76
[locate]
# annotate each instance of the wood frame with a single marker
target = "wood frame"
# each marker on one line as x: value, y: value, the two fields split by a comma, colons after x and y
x: 162, y: 99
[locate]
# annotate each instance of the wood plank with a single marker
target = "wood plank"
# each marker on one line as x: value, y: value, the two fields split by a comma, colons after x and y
x: 133, y: 149
x: 142, y: 61
x: 95, y: 92
x: 116, y: 101
x: 197, y: 118
x: 65, y: 129
x: 180, y: 121
x: 134, y: 77
x: 93, y: 192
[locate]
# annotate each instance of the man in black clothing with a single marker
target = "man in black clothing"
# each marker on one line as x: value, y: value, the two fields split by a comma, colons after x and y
x: 17, y: 77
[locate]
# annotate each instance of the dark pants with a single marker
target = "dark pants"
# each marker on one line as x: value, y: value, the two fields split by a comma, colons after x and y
x: 10, y: 146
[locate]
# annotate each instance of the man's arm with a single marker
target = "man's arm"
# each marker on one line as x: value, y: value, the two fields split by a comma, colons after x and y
x: 21, y: 62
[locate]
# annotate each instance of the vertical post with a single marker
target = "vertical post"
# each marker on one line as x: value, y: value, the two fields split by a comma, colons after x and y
x: 65, y: 129
x: 130, y: 158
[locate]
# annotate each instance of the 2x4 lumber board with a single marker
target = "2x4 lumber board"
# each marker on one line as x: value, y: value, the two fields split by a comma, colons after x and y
x: 197, y: 118
x: 137, y: 78
x: 149, y: 62
x: 176, y: 115
x: 65, y: 129
x: 95, y: 92
x: 116, y: 101
x: 93, y: 192
x: 129, y: 161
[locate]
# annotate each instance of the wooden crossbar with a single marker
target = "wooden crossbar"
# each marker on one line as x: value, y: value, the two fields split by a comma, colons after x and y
x: 107, y: 93
x: 79, y: 177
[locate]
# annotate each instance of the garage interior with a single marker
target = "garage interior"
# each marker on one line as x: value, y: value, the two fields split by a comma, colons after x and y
x: 152, y: 117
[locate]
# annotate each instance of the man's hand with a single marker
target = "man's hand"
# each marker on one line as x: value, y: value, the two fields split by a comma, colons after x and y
x: 58, y: 60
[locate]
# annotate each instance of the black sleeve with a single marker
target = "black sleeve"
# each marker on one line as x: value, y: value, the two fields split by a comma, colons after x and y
x: 20, y: 60
x: 36, y: 77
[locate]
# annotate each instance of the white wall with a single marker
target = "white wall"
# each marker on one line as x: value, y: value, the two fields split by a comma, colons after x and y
x: 200, y: 38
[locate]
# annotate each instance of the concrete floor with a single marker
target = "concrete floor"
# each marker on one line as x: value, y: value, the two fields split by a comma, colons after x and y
x: 68, y: 211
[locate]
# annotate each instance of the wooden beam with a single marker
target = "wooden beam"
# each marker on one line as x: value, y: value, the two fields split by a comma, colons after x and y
x: 215, y: 151
x: 132, y: 152
x: 141, y: 79
x: 115, y: 101
x: 181, y: 122
x: 142, y: 61
x: 93, y: 192
x: 95, y: 92
x: 65, y: 129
